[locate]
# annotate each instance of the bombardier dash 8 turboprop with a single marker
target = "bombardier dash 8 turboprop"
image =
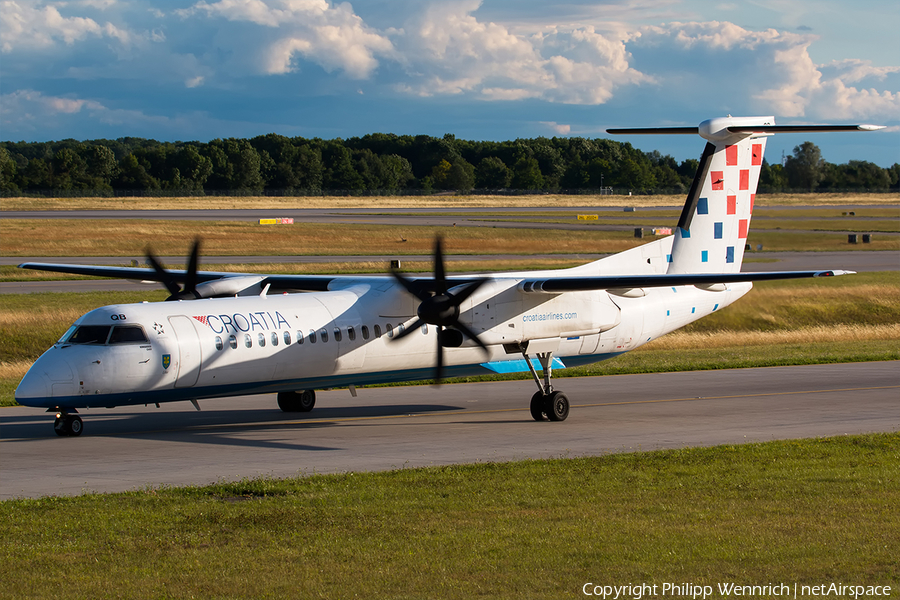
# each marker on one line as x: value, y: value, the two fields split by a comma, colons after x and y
x: 227, y: 334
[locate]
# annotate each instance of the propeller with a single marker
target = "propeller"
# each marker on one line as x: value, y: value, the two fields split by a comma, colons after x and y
x: 440, y: 308
x: 189, y: 292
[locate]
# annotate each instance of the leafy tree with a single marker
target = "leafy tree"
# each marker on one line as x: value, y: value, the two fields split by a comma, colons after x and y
x: 133, y: 175
x: 461, y: 176
x: 527, y: 174
x: 804, y: 170
x: 102, y: 167
x: 340, y: 174
x: 492, y: 174
x: 772, y: 177
x: 8, y: 172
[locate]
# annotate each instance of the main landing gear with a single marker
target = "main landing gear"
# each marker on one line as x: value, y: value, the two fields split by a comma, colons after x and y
x: 546, y: 403
x: 68, y: 424
x: 302, y: 401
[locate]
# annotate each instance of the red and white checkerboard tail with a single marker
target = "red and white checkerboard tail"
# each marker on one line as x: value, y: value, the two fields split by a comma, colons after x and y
x: 712, y: 231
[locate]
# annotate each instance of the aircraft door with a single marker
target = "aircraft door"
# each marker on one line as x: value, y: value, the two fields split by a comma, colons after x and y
x: 188, y: 349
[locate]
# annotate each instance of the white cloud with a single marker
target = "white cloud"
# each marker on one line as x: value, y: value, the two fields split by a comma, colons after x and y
x: 768, y: 72
x: 558, y: 128
x: 447, y: 49
x: 36, y: 25
x: 332, y: 36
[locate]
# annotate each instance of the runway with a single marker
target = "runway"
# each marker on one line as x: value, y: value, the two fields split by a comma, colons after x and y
x: 404, y: 427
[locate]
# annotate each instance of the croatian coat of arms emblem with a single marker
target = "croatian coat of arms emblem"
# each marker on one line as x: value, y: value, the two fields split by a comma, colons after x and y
x: 166, y: 360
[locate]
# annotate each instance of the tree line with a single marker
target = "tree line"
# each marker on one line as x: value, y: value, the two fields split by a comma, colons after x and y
x: 388, y: 164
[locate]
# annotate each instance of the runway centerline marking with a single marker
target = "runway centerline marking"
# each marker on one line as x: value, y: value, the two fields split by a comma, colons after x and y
x: 214, y: 426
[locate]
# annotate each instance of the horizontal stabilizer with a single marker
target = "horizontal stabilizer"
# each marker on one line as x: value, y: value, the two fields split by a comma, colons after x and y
x: 582, y: 284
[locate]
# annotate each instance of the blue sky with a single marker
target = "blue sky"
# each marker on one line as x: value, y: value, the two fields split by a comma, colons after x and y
x: 491, y: 69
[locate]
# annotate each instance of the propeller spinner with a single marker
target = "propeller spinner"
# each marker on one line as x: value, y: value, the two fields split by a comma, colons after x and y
x: 440, y: 307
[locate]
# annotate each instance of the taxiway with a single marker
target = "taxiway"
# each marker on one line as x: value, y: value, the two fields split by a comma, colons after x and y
x: 401, y: 427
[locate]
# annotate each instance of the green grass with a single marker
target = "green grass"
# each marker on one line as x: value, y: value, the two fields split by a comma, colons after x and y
x: 806, y: 511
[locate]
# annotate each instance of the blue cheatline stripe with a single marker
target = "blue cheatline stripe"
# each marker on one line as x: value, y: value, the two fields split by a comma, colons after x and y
x: 520, y: 366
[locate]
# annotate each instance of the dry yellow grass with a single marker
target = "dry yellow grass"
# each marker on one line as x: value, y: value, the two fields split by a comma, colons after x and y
x: 14, y: 370
x: 434, y: 201
x: 679, y: 340
x: 129, y: 238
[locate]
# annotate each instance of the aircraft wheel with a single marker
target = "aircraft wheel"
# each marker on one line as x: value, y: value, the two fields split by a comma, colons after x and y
x: 557, y: 406
x: 76, y: 426
x: 307, y: 400
x: 297, y: 401
x: 538, y: 404
x: 68, y: 425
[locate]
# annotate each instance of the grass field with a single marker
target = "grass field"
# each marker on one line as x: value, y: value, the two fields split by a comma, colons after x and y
x: 807, y: 512
x: 842, y: 319
x: 436, y: 200
x: 130, y: 239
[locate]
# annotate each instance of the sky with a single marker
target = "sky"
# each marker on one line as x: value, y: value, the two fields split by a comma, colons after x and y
x: 479, y: 69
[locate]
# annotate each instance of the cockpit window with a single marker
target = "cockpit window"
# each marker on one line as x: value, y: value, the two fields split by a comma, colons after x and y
x: 89, y: 334
x: 127, y: 334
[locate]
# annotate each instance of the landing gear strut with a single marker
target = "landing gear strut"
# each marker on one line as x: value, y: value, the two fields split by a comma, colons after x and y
x: 546, y: 403
x: 302, y: 401
x: 68, y: 424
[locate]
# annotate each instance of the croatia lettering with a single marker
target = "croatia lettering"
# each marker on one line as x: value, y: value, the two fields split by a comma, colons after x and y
x: 244, y: 322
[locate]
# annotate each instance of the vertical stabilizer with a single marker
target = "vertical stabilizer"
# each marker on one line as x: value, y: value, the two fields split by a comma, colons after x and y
x: 712, y: 231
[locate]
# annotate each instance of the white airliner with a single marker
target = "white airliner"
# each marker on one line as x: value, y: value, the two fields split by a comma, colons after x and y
x: 227, y: 334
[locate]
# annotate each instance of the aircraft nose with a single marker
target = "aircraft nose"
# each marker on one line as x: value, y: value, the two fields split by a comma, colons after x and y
x: 49, y: 377
x: 34, y: 389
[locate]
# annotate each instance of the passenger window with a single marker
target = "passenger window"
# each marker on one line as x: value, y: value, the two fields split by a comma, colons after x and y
x: 378, y: 331
x: 351, y: 333
x: 90, y: 334
x: 390, y: 330
x: 365, y: 332
x: 424, y: 328
x: 219, y: 343
x: 128, y: 334
x: 323, y: 333
x: 232, y: 341
x: 274, y: 338
x: 299, y: 337
x: 248, y: 341
x: 287, y: 338
x: 262, y: 340
x: 312, y: 336
x: 337, y: 334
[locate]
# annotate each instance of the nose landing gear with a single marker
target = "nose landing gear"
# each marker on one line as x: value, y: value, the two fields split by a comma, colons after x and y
x: 68, y: 425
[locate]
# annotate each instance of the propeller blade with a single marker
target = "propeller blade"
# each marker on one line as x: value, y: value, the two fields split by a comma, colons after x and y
x: 439, y: 275
x: 190, y: 282
x: 409, y: 286
x: 468, y: 290
x: 164, y: 276
x: 408, y: 330
x: 439, y: 363
x: 471, y: 335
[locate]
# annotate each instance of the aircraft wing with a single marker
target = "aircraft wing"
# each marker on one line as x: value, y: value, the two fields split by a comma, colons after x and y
x: 558, y: 285
x: 309, y: 283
